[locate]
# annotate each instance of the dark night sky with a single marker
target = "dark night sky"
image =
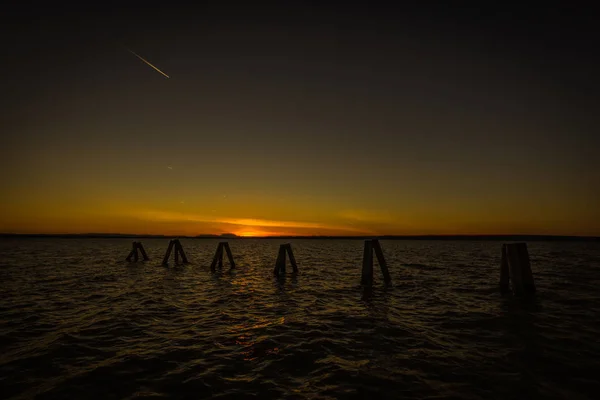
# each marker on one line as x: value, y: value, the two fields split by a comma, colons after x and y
x: 300, y: 118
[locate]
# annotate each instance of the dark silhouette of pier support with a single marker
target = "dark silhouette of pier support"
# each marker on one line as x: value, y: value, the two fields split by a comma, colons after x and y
x: 175, y: 244
x: 367, y: 267
x: 218, y: 258
x: 281, y: 258
x: 135, y: 246
x: 515, y: 269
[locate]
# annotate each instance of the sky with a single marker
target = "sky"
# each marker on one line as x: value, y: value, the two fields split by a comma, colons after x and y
x: 300, y: 118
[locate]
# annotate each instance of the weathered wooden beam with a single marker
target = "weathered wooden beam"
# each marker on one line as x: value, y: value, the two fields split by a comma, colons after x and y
x: 290, y: 253
x: 221, y: 255
x: 168, y: 253
x: 514, y: 268
x: 367, y: 267
x: 218, y: 255
x: 381, y: 260
x: 128, y: 259
x: 526, y: 274
x: 519, y: 269
x: 141, y: 248
x: 229, y: 255
x: 184, y: 258
x: 280, y: 262
x: 504, y: 276
x: 178, y: 248
x: 135, y: 252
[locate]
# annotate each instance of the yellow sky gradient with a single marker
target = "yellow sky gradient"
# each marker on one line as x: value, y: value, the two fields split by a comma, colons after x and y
x: 269, y: 217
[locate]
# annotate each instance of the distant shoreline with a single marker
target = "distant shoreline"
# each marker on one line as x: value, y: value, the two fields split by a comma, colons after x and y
x: 543, y: 238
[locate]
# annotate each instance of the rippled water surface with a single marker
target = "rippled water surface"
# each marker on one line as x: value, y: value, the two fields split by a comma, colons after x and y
x: 77, y: 321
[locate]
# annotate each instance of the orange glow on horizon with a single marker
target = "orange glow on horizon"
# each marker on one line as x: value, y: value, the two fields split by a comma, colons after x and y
x: 269, y: 216
x: 249, y: 234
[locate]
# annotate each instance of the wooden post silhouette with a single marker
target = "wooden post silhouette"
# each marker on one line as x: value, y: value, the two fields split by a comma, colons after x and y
x: 290, y: 253
x: 280, y: 262
x: 229, y: 254
x: 218, y: 255
x: 221, y: 257
x: 218, y: 258
x: 504, y: 279
x: 179, y: 250
x: 168, y: 253
x: 528, y: 284
x: 132, y: 253
x: 381, y: 260
x: 367, y: 267
x: 516, y: 268
x: 141, y: 248
x: 176, y: 245
x: 135, y: 246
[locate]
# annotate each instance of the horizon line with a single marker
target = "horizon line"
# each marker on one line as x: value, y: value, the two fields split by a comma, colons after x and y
x: 234, y: 236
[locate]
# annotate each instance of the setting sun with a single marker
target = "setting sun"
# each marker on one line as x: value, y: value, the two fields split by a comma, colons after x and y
x: 250, y: 233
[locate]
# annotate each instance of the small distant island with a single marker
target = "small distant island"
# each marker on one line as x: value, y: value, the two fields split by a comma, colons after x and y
x: 543, y: 238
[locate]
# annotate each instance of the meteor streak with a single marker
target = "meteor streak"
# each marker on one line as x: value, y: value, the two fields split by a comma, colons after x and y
x: 147, y: 62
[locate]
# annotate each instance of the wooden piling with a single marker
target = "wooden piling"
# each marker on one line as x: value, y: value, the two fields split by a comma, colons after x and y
x: 504, y: 277
x: 290, y: 253
x: 218, y: 258
x: 526, y: 274
x: 280, y: 262
x: 131, y: 253
x: 179, y: 247
x: 168, y: 253
x: 514, y: 269
x: 175, y: 245
x: 381, y: 260
x: 229, y: 254
x: 519, y: 268
x: 367, y: 267
x: 141, y: 248
x: 221, y: 255
x: 135, y: 246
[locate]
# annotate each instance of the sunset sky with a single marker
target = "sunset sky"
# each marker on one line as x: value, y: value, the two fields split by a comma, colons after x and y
x: 299, y: 120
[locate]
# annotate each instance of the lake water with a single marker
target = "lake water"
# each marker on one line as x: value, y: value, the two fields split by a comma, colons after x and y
x: 77, y: 321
